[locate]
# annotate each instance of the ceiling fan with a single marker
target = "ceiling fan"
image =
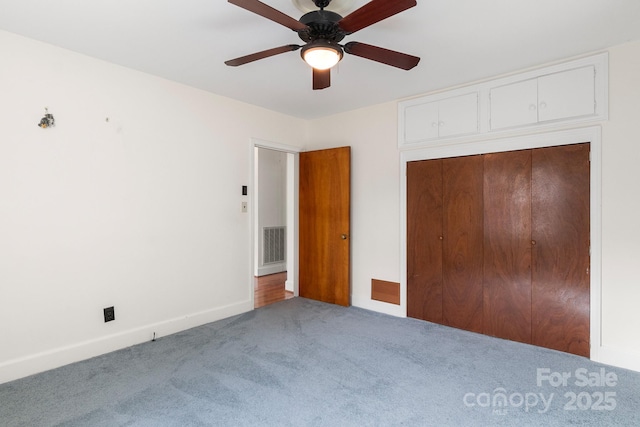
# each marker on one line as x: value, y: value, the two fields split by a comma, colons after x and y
x: 323, y: 30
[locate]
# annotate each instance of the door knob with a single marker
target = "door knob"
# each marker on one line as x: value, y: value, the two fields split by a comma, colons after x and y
x: 343, y: 236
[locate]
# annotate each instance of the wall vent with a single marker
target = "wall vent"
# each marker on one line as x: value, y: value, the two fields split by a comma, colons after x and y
x: 273, y: 245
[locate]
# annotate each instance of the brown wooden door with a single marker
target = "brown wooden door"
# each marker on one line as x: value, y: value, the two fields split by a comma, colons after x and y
x: 560, y: 255
x: 462, y: 245
x: 324, y: 225
x: 424, y: 240
x: 507, y: 245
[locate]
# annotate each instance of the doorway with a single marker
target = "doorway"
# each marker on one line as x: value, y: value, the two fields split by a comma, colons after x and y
x: 274, y: 222
x: 322, y: 272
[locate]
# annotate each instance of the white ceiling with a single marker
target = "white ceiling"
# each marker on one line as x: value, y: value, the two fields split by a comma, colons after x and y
x: 459, y: 41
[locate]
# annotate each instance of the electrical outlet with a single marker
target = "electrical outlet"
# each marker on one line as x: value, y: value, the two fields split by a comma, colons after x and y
x: 244, y: 207
x: 109, y: 314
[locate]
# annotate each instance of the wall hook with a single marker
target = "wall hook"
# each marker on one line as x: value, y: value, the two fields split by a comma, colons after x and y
x: 47, y: 120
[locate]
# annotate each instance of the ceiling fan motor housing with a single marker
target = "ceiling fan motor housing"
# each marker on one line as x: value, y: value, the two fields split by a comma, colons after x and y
x: 323, y: 25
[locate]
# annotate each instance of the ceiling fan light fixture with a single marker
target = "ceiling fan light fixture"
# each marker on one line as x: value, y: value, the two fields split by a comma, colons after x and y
x: 321, y: 55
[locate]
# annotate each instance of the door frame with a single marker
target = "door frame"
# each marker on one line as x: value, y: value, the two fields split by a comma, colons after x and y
x: 592, y: 134
x: 291, y: 209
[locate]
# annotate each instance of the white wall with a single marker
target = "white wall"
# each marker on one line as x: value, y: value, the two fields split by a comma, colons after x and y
x: 375, y: 210
x: 141, y: 212
x: 621, y: 210
x: 376, y: 193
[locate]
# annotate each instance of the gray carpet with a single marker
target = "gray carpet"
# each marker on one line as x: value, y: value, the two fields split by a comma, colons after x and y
x: 305, y: 363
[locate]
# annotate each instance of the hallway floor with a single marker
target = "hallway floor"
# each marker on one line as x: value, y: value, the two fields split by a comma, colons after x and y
x: 270, y: 289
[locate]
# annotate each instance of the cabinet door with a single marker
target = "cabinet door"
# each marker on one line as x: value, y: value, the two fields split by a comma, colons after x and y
x: 421, y: 122
x: 458, y: 115
x: 560, y: 254
x: 462, y: 245
x: 514, y: 104
x: 507, y: 245
x: 566, y: 94
x: 424, y: 240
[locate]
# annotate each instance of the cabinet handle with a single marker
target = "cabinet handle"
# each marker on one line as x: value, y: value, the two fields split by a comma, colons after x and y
x: 440, y: 123
x: 532, y: 107
x: 543, y: 105
x: 434, y: 124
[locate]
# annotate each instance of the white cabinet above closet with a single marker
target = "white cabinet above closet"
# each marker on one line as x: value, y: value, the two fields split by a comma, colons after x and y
x: 561, y: 94
x: 555, y: 96
x: 456, y: 115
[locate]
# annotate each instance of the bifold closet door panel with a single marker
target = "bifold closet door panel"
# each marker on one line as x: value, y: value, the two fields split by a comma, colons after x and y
x: 462, y: 244
x: 560, y: 252
x: 507, y: 245
x: 424, y: 240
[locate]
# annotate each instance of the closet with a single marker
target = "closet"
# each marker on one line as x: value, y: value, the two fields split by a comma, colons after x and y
x: 499, y: 244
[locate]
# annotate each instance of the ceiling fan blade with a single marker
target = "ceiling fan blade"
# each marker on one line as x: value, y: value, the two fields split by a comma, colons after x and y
x: 321, y: 79
x: 261, y: 55
x: 372, y: 12
x: 379, y: 54
x: 268, y: 12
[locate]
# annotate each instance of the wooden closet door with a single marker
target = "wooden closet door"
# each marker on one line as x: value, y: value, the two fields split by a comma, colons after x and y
x: 463, y: 240
x: 507, y: 245
x: 560, y: 254
x: 424, y: 240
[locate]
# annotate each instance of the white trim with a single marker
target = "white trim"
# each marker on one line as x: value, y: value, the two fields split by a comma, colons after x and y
x: 617, y: 357
x: 379, y: 306
x: 591, y: 134
x: 54, y: 358
x: 266, y: 270
x: 261, y: 143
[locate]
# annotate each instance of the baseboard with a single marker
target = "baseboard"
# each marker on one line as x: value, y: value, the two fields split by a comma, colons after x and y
x: 608, y: 355
x: 618, y: 357
x: 381, y: 307
x: 55, y: 358
x: 272, y: 269
x: 288, y: 285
